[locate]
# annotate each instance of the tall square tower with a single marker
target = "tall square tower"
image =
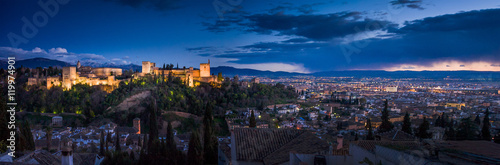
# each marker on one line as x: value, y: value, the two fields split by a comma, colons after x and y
x: 205, y: 69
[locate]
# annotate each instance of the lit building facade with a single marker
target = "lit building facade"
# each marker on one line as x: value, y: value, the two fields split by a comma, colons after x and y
x: 189, y: 75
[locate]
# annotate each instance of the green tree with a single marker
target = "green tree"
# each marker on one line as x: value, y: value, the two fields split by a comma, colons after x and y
x: 467, y: 130
x: 194, y: 155
x: 117, y: 142
x: 485, y: 130
x: 26, y: 133
x: 209, y: 140
x: 101, y: 144
x: 386, y: 124
x: 48, y: 134
x: 477, y: 121
x: 219, y: 77
x: 423, y: 130
x: 407, y: 124
x: 153, y: 124
x: 108, y: 139
x: 4, y: 134
x: 253, y: 123
x: 370, y: 130
x: 170, y: 138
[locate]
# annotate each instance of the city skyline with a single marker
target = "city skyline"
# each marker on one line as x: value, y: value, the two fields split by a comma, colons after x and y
x: 277, y: 36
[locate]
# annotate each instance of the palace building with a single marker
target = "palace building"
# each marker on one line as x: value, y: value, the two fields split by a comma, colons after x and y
x: 72, y: 75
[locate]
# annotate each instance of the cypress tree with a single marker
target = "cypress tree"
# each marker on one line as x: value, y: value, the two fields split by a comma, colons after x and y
x: 370, y: 130
x: 407, y: 124
x: 194, y: 154
x: 451, y: 133
x: 485, y: 130
x: 170, y: 138
x: 253, y: 123
x: 422, y: 130
x: 28, y: 137
x: 209, y: 141
x: 477, y: 121
x: 153, y: 124
x: 437, y: 123
x: 467, y: 130
x: 108, y: 139
x: 4, y: 134
x: 101, y: 145
x: 49, y: 137
x: 386, y: 124
x: 117, y: 142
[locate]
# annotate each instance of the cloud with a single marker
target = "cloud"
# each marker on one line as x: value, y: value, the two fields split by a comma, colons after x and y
x: 318, y: 27
x: 468, y: 37
x: 37, y: 50
x: 292, y: 67
x: 59, y: 53
x: 303, y: 9
x: 296, y: 40
x: 414, y: 4
x: 160, y: 5
x: 58, y: 50
x: 448, y: 66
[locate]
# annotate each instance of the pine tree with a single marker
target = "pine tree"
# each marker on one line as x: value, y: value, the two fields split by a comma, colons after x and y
x: 48, y: 132
x: 194, y: 154
x: 386, y: 124
x: 407, y: 124
x: 485, y: 130
x: 209, y: 141
x: 422, y: 130
x: 117, y: 142
x: 370, y: 130
x: 253, y: 123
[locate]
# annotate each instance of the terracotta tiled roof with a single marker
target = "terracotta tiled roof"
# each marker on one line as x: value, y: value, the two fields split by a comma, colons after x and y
x: 306, y: 143
x: 43, y: 157
x: 130, y: 130
x: 274, y: 145
x: 396, y: 135
x: 370, y: 144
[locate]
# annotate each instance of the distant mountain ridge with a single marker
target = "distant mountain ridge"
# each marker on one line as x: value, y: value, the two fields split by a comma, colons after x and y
x: 228, y: 71
x: 231, y: 71
x: 45, y: 63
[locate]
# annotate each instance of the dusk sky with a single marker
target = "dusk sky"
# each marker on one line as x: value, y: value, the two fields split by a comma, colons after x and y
x: 295, y: 36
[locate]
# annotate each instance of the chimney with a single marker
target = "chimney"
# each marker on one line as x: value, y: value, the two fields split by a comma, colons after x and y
x: 340, y: 141
x: 66, y: 152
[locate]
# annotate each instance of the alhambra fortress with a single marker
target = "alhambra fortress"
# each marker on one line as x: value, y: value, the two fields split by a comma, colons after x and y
x: 108, y: 76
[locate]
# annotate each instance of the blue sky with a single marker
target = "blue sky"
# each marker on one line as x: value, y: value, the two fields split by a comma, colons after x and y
x: 298, y: 36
